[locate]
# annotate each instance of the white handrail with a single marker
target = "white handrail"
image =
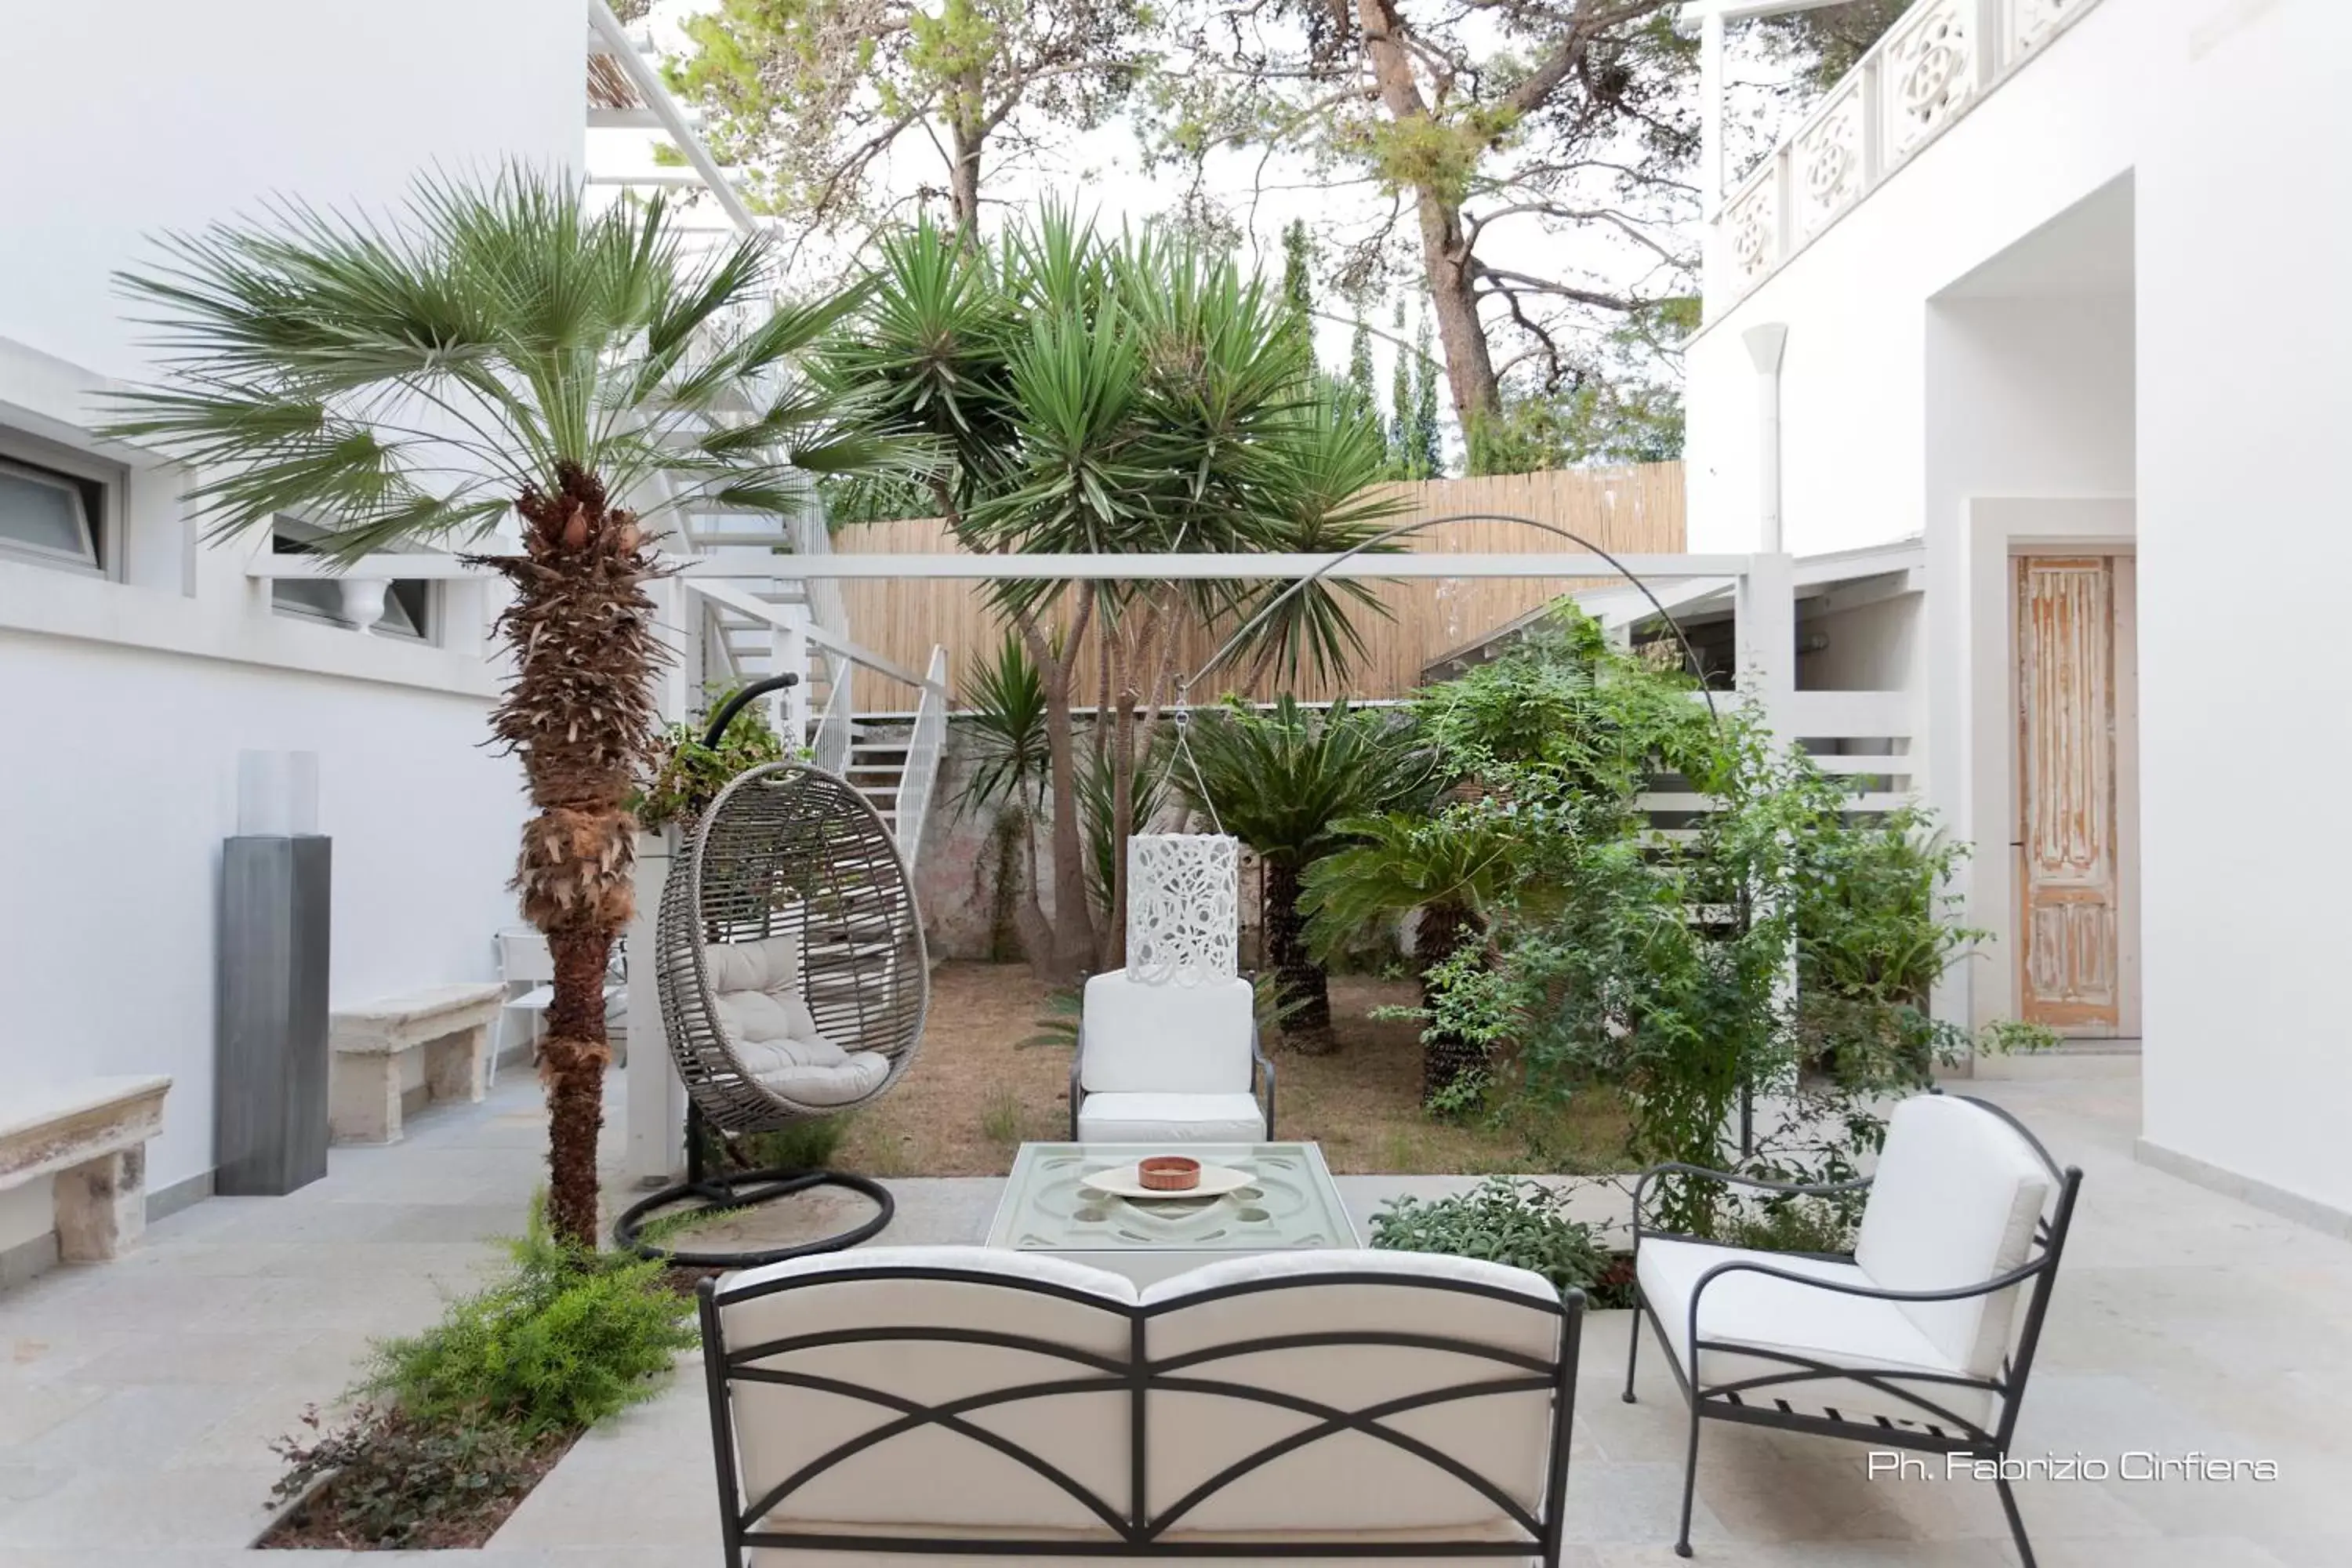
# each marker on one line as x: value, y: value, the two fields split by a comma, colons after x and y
x: 722, y: 592
x: 829, y: 747
x: 923, y: 748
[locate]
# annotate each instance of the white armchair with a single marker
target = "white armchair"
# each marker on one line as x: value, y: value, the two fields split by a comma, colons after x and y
x: 1170, y: 1063
x: 1916, y: 1341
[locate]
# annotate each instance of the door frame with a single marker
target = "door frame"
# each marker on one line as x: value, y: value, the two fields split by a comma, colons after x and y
x: 1979, y: 800
x: 2123, y: 679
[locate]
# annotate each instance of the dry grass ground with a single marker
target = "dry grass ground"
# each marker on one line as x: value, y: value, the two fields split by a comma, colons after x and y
x: 977, y: 1093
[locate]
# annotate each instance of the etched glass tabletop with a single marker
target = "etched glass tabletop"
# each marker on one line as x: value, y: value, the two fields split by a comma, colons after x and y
x: 1290, y: 1201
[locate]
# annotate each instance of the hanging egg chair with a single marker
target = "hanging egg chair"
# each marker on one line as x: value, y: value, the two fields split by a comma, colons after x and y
x: 794, y: 983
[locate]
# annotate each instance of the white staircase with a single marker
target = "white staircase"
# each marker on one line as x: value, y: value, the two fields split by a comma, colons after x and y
x: 759, y: 618
x: 747, y: 614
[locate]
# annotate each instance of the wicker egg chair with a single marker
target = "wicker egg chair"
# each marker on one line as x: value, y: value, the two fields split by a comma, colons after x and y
x: 793, y: 984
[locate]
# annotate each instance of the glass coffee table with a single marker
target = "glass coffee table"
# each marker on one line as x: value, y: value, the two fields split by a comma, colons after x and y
x: 1290, y: 1203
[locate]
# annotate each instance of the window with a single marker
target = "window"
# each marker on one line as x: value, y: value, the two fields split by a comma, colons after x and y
x: 407, y: 603
x: 52, y: 518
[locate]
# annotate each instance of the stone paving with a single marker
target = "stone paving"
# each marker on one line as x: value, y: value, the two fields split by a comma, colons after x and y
x: 137, y: 1399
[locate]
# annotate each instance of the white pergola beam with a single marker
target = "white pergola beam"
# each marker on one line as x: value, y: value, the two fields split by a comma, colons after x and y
x: 1070, y: 568
x: 1239, y: 567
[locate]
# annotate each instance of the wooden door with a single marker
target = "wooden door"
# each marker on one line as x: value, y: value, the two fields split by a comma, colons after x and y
x: 2069, y: 903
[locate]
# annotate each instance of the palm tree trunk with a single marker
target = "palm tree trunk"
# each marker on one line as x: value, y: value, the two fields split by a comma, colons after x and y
x: 578, y: 714
x: 1299, y: 981
x: 1122, y: 827
x: 1063, y: 949
x: 1444, y: 1057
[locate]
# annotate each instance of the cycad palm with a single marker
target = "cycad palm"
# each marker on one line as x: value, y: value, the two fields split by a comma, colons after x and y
x: 1282, y: 782
x: 1452, y: 867
x: 500, y: 349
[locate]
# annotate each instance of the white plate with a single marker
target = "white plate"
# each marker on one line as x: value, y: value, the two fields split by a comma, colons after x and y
x: 1121, y: 1180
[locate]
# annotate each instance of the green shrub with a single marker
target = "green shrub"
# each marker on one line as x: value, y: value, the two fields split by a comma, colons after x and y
x: 1794, y: 1225
x: 566, y: 1339
x: 683, y: 775
x: 1504, y: 1219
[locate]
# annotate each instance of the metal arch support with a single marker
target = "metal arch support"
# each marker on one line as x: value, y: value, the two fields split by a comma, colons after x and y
x: 1690, y: 655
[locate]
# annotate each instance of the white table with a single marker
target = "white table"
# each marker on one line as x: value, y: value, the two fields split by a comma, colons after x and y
x: 1046, y: 1209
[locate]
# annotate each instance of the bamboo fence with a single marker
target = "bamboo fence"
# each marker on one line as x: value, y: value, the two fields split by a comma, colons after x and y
x: 1636, y: 509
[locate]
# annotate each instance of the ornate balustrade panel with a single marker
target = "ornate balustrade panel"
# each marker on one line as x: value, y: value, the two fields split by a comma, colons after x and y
x: 1751, y: 227
x: 1929, y: 72
x: 1939, y: 60
x: 2034, y: 23
x: 1831, y: 158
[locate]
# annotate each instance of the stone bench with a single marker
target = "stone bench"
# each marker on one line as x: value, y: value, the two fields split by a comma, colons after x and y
x: 369, y: 1046
x: 91, y: 1137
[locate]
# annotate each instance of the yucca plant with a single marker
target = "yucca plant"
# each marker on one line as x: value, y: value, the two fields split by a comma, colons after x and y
x: 498, y: 351
x: 1128, y: 395
x: 1282, y: 782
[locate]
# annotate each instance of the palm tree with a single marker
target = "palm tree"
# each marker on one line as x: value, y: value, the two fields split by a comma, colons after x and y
x: 1282, y: 782
x: 1452, y: 869
x: 500, y: 350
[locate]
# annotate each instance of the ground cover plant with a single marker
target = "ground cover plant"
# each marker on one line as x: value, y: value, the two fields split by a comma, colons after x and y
x: 1515, y: 1220
x: 447, y: 1429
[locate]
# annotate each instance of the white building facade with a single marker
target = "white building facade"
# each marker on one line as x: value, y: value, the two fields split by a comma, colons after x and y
x: 2055, y: 290
x: 140, y: 661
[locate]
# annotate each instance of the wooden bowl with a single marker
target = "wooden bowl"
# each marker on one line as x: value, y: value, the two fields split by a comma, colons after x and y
x: 1168, y: 1172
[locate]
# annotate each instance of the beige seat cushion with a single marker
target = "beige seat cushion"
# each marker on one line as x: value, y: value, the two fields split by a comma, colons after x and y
x: 1342, y: 1488
x: 1166, y: 1039
x: 755, y: 991
x: 1954, y: 1201
x: 1170, y: 1118
x: 1498, y: 1530
x: 1743, y: 1308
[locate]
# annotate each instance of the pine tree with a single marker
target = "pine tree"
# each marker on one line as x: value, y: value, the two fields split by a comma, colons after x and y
x: 1363, y: 392
x: 1400, y: 403
x: 1298, y: 280
x: 1425, y: 449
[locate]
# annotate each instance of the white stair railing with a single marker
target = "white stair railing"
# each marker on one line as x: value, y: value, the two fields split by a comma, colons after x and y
x: 829, y: 744
x: 923, y: 748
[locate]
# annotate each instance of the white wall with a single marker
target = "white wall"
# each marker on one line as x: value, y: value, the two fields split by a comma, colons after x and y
x: 1872, y: 648
x: 2244, y: 554
x: 126, y: 117
x: 127, y: 701
x: 2024, y: 397
x: 124, y: 785
x: 1854, y: 383
x: 2225, y: 116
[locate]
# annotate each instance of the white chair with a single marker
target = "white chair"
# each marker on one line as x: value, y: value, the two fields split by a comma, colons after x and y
x: 1916, y: 1341
x: 970, y: 1404
x: 1171, y: 1063
x: 525, y: 961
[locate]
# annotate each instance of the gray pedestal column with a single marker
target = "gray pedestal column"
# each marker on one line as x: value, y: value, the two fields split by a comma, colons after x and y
x: 270, y: 1054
